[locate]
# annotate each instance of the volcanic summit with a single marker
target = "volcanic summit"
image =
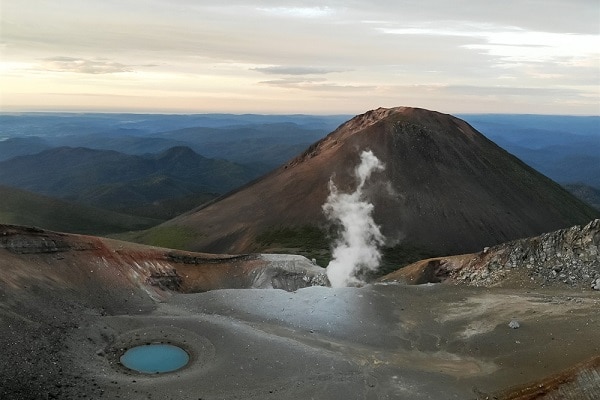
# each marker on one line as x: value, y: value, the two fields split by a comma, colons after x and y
x: 445, y: 188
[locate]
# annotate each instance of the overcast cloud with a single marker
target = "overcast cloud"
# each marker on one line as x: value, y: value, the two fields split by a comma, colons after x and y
x: 320, y: 57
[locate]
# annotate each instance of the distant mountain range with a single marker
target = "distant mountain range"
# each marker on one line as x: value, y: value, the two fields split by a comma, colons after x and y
x: 58, y: 124
x: 117, y: 181
x: 155, y: 166
x: 266, y: 141
x: 564, y: 148
x: 446, y: 188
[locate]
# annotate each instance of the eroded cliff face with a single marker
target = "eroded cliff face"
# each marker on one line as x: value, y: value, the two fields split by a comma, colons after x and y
x: 78, y: 260
x: 567, y: 257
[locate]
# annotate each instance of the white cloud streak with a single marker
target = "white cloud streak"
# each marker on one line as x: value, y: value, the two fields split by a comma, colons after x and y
x: 82, y: 65
x: 298, y: 12
x: 511, y: 43
x: 295, y: 70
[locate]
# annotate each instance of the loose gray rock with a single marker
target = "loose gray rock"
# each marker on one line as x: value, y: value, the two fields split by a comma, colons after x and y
x: 514, y: 324
x: 569, y: 256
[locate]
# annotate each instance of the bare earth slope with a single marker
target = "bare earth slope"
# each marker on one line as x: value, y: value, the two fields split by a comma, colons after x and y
x: 445, y: 188
x: 70, y: 305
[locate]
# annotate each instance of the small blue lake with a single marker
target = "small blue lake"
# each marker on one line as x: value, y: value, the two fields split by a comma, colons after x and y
x: 155, y: 358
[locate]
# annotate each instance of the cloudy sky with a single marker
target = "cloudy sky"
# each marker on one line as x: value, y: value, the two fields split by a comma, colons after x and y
x: 284, y: 56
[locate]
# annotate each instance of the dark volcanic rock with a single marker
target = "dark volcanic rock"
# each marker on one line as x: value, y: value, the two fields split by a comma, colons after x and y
x: 165, y: 280
x: 23, y: 240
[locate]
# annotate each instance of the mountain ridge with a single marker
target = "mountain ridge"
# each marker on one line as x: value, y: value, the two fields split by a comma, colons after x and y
x: 85, y: 175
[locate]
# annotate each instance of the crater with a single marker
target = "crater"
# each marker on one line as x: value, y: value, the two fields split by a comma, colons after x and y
x: 155, y: 358
x: 159, y: 350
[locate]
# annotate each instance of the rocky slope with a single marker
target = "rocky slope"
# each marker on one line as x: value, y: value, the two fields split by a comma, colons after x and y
x: 567, y: 257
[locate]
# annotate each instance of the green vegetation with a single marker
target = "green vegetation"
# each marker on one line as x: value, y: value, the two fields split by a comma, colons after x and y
x: 169, y: 208
x: 122, y: 182
x: 20, y: 207
x: 172, y: 237
x: 307, y: 240
x: 313, y: 242
x: 396, y: 257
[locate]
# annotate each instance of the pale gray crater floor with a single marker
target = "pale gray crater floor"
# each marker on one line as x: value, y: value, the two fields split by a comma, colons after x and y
x: 377, y: 342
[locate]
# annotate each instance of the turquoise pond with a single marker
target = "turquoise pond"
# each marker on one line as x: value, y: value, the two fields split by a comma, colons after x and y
x: 155, y: 358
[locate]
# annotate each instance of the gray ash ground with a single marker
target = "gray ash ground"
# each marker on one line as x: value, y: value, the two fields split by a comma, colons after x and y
x: 37, y: 352
x: 379, y: 342
x: 67, y: 316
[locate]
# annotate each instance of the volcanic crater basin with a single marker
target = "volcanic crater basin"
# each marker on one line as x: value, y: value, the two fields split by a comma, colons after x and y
x: 155, y: 358
x: 383, y: 341
x: 198, y: 350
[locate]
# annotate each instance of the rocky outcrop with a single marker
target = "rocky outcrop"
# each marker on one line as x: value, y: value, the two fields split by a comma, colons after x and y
x: 165, y: 280
x: 30, y: 240
x: 204, y: 272
x: 287, y: 272
x: 565, y: 257
x: 569, y: 256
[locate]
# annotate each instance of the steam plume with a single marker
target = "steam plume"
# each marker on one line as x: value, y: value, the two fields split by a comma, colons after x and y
x: 358, y: 247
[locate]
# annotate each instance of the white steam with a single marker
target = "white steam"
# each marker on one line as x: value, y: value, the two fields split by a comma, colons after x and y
x: 358, y: 247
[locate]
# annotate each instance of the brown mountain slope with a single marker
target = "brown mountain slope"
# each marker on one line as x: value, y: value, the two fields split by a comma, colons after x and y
x: 446, y: 188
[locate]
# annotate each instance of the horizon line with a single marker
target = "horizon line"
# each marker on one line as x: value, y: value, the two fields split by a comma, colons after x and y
x: 241, y: 113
